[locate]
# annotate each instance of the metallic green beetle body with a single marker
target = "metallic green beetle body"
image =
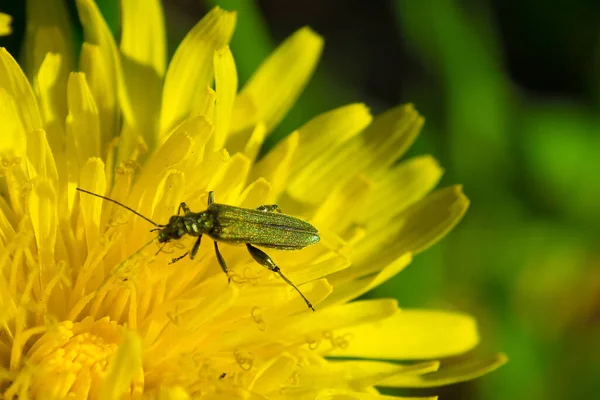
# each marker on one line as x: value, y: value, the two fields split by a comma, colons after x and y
x: 241, y: 225
x: 262, y: 226
x: 224, y: 223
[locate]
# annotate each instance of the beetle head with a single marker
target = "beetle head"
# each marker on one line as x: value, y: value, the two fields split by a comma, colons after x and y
x: 174, y: 230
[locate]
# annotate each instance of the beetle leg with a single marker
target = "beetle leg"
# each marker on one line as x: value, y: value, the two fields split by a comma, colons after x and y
x: 211, y: 197
x: 268, y: 208
x: 174, y: 260
x: 263, y: 259
x: 195, y: 248
x: 183, y: 207
x: 222, y: 262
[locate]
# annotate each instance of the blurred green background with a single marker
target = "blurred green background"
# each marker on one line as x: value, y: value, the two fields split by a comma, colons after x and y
x: 511, y: 94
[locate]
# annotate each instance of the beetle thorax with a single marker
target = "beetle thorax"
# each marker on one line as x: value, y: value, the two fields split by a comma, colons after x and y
x: 197, y: 223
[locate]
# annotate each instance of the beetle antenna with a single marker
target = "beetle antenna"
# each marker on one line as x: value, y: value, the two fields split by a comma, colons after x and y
x: 122, y: 205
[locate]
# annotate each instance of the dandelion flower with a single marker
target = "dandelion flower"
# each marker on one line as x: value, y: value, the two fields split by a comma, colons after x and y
x: 88, y: 311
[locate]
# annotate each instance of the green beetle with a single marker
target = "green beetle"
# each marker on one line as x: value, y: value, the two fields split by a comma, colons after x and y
x: 263, y: 226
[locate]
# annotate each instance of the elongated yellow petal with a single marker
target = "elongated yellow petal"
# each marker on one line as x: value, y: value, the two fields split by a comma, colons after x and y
x: 124, y: 367
x: 191, y: 69
x: 15, y: 89
x: 99, y: 80
x: 5, y: 28
x: 359, y: 279
x: 255, y: 141
x: 389, y: 136
x: 226, y: 87
x: 362, y: 374
x: 83, y: 121
x: 325, y: 133
x: 97, y: 32
x: 50, y: 88
x: 340, y: 394
x: 275, y: 166
x: 448, y: 374
x: 92, y: 179
x: 273, y: 374
x: 416, y: 334
x: 419, y: 226
x: 44, y: 218
x: 143, y: 49
x: 340, y: 158
x: 6, y: 222
x: 342, y: 206
x: 143, y: 37
x: 176, y: 393
x: 40, y: 157
x: 405, y: 184
x: 48, y: 31
x: 280, y: 79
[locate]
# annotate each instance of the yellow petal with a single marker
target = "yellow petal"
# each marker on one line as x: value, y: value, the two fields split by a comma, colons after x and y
x: 402, y: 186
x: 50, y: 88
x: 173, y: 151
x: 389, y: 136
x: 13, y: 143
x: 48, y: 30
x: 448, y: 374
x: 92, y: 179
x: 8, y: 305
x: 411, y: 335
x: 205, y: 105
x: 255, y: 194
x: 168, y: 195
x: 143, y: 49
x: 83, y: 121
x: 362, y: 374
x: 255, y: 141
x: 44, y: 218
x: 96, y: 32
x: 229, y: 182
x: 343, y: 394
x: 275, y: 166
x: 24, y: 115
x: 123, y: 368
x: 6, y: 222
x: 5, y: 28
x: 41, y: 159
x: 143, y: 38
x: 191, y: 69
x: 339, y: 317
x: 99, y: 79
x: 280, y: 79
x: 273, y: 374
x: 226, y: 88
x: 359, y: 279
x: 315, y: 174
x: 176, y: 393
x: 324, y: 133
x: 419, y: 226
x: 342, y: 206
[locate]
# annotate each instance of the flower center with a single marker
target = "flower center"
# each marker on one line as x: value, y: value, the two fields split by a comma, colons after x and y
x: 69, y: 359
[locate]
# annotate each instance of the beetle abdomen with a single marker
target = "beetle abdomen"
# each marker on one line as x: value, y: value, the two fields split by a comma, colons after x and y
x: 266, y: 229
